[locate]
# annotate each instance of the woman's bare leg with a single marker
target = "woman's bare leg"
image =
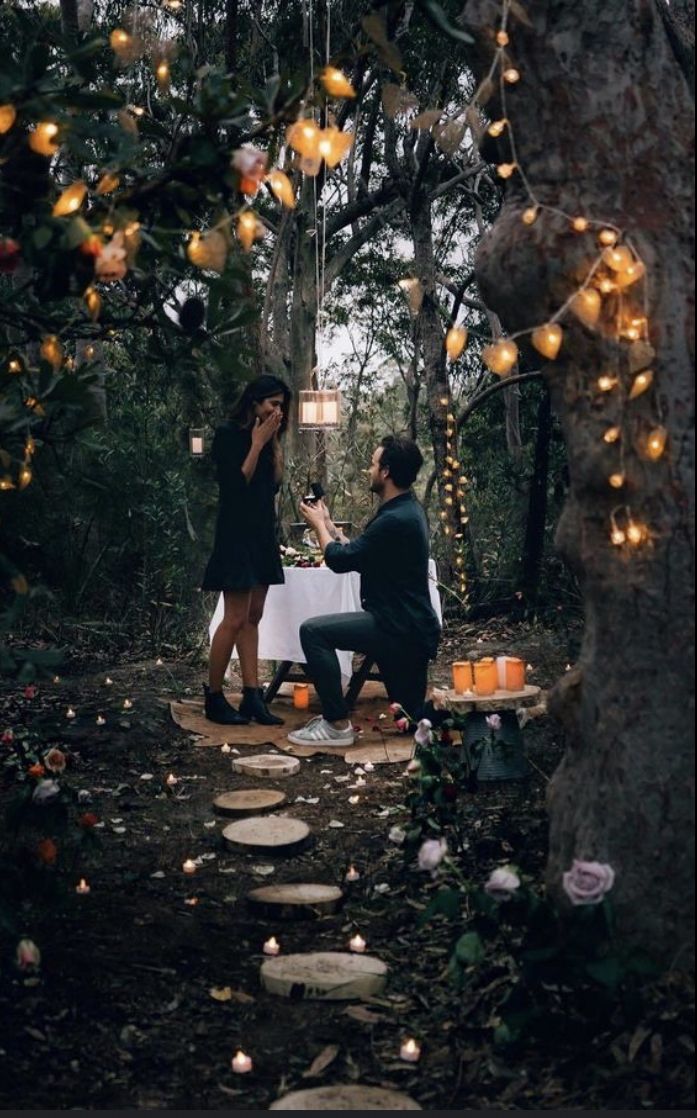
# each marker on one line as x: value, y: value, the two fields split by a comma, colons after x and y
x: 227, y: 635
x: 248, y: 638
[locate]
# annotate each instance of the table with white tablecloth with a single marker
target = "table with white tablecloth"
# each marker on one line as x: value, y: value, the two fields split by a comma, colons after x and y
x: 310, y: 592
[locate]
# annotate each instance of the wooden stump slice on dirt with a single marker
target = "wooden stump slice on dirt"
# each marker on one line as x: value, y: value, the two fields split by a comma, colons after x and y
x: 295, y: 901
x: 247, y: 801
x: 267, y: 834
x: 345, y: 1097
x: 266, y: 764
x: 330, y: 975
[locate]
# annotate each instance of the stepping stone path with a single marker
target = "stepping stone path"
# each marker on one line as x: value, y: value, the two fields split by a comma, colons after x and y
x: 329, y: 975
x: 296, y: 901
x: 266, y: 764
x: 268, y: 834
x: 345, y: 1097
x: 247, y: 801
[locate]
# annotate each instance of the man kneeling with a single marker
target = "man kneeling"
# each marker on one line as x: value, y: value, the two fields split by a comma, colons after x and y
x: 399, y: 629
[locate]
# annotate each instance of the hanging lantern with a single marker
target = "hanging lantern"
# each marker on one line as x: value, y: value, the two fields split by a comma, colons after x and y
x: 197, y: 442
x: 631, y: 274
x: 455, y: 342
x: 547, y: 339
x: 500, y: 357
x: 93, y: 302
x: 319, y: 409
x: 333, y: 145
x: 617, y: 257
x: 70, y: 200
x: 303, y: 136
x: 51, y: 350
x: 336, y: 83
x: 249, y: 229
x: 107, y: 183
x: 208, y: 250
x: 162, y: 75
x: 281, y: 188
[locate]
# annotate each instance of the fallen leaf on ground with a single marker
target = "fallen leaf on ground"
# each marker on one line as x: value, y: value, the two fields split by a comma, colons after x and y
x: 321, y: 1062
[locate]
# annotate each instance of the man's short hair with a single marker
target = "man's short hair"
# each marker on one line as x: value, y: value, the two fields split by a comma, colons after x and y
x: 402, y: 458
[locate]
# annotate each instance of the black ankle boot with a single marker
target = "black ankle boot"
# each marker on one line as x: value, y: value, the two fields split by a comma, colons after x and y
x: 218, y: 709
x: 254, y: 708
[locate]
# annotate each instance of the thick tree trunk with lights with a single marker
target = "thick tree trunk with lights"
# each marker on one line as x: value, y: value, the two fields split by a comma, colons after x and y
x: 603, y: 122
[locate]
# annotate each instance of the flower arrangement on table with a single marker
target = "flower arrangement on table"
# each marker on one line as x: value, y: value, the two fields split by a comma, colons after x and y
x: 301, y: 557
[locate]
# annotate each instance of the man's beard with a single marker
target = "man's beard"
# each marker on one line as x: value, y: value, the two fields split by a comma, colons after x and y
x: 377, y: 487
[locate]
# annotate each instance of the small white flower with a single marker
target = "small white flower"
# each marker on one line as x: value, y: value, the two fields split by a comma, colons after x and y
x: 502, y: 884
x: 422, y: 735
x: 493, y: 721
x: 45, y: 791
x: 28, y: 956
x: 397, y: 835
x: 432, y: 853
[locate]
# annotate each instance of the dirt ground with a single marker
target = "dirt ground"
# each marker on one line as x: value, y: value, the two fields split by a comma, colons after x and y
x: 121, y: 1014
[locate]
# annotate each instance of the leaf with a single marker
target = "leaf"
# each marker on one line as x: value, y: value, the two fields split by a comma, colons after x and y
x: 450, y: 135
x: 518, y: 11
x: 485, y: 91
x: 321, y: 1062
x: 364, y: 1015
x: 433, y: 12
x: 606, y: 971
x: 426, y: 119
x: 469, y: 948
x: 640, y: 1035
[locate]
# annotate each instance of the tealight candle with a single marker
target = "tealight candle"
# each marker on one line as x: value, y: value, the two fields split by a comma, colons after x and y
x: 225, y: 748
x: 108, y: 682
x: 241, y: 1062
x: 410, y: 1051
x: 127, y: 704
x: 301, y: 696
x: 171, y: 780
x: 191, y: 901
x: 189, y: 866
x: 56, y: 679
x: 357, y: 944
x: 159, y: 662
x: 352, y: 874
x: 272, y: 946
x: 354, y: 799
x: 100, y: 720
x: 82, y: 887
x: 70, y: 713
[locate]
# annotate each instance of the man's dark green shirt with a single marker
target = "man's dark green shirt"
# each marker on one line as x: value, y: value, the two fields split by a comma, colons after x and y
x: 391, y: 557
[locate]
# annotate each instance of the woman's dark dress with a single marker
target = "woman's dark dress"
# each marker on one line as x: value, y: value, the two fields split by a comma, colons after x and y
x: 245, y: 553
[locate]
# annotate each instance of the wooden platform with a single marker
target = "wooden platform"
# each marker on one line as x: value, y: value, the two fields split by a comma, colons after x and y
x: 468, y: 701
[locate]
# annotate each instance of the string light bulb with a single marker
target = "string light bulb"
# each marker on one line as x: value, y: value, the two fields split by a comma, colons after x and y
x: 529, y: 215
x: 510, y: 75
x: 502, y: 38
x: 162, y: 74
x: 636, y: 533
x: 655, y: 443
x: 586, y: 305
x: 42, y: 138
x: 617, y: 257
x: 617, y: 536
x: 547, y: 339
x: 612, y: 434
x: 8, y: 115
x: 281, y: 188
x: 642, y: 381
x: 93, y: 302
x: 505, y: 170
x: 303, y: 136
x: 249, y: 229
x: 455, y: 342
x: 497, y: 127
x: 14, y: 365
x: 606, y: 382
x: 107, y: 183
x: 70, y: 200
x: 24, y: 477
x: 579, y: 224
x: 631, y: 274
x: 616, y: 481
x: 607, y: 237
x: 51, y: 350
x: 500, y: 357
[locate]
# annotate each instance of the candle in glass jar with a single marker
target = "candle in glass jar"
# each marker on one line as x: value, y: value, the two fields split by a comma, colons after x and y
x: 301, y: 696
x: 515, y: 674
x: 462, y: 676
x: 82, y: 887
x: 357, y: 944
x: 189, y: 866
x: 485, y: 677
x: 241, y: 1062
x: 410, y: 1051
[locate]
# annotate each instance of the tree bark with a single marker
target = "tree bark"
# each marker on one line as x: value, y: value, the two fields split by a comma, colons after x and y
x: 534, y: 539
x: 603, y: 126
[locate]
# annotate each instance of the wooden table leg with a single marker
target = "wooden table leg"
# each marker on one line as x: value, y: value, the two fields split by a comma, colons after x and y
x: 282, y: 672
x: 356, y: 682
x: 504, y: 758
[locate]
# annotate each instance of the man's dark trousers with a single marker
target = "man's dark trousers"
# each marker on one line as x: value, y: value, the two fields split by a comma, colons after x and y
x: 402, y: 665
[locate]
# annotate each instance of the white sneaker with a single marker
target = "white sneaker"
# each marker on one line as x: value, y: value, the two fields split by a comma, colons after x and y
x: 320, y: 732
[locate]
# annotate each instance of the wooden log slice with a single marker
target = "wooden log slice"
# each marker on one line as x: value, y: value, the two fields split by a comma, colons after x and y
x: 247, y: 801
x: 296, y: 901
x: 267, y: 834
x: 266, y: 764
x: 330, y: 975
x: 342, y: 1096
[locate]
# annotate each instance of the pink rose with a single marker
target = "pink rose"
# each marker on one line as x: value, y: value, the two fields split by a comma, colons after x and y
x: 30, y: 691
x: 395, y: 708
x: 588, y: 882
x: 502, y: 884
x: 28, y: 956
x: 55, y: 760
x: 432, y: 853
x: 251, y: 162
x: 401, y: 724
x: 414, y: 767
x: 110, y: 265
x: 423, y: 732
x: 493, y: 721
x: 7, y: 737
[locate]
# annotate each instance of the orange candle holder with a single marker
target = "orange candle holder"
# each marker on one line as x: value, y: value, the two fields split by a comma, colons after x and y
x: 463, y: 679
x: 301, y: 696
x: 515, y: 674
x: 485, y: 676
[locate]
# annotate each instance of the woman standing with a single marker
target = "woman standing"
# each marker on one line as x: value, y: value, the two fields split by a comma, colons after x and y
x: 246, y: 559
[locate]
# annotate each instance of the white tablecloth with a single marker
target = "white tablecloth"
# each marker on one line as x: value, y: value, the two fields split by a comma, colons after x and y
x: 310, y: 592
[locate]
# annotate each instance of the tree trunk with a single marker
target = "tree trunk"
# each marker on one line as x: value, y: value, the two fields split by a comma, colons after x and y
x: 603, y: 125
x: 534, y: 540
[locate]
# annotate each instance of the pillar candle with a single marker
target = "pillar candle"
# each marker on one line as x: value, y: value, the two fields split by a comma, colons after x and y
x: 301, y: 696
x: 462, y: 676
x: 485, y: 676
x: 515, y: 674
